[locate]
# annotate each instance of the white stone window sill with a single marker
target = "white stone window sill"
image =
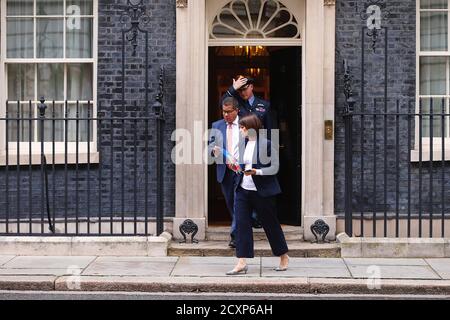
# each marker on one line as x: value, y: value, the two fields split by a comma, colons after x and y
x: 437, y: 155
x: 24, y: 159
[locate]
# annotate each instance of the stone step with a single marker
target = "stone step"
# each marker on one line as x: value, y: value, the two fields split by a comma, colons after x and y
x: 262, y: 249
x: 291, y: 233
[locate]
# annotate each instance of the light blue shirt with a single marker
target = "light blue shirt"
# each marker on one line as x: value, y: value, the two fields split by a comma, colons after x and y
x: 251, y: 100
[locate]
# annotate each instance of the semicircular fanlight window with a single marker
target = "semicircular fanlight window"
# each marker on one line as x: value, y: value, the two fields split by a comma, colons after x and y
x: 254, y: 19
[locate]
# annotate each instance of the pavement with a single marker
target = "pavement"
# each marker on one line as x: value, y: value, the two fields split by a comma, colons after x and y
x: 207, y: 274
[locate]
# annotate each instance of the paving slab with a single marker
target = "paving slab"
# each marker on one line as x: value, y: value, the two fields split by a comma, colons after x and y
x: 441, y: 267
x: 306, y: 262
x: 137, y: 259
x: 5, y: 259
x: 393, y: 272
x: 49, y: 262
x: 132, y: 267
x: 385, y: 262
x: 229, y: 261
x: 308, y: 272
x: 211, y: 270
x: 39, y: 272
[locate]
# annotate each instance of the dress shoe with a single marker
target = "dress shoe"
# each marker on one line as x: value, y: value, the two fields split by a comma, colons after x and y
x: 237, y: 272
x: 281, y: 268
x: 232, y: 244
x: 256, y: 224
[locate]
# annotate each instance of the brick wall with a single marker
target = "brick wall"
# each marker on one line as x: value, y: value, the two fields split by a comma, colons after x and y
x: 161, y: 45
x: 401, y: 79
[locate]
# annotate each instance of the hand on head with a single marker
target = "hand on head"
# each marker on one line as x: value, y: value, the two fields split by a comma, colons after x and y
x: 239, y: 83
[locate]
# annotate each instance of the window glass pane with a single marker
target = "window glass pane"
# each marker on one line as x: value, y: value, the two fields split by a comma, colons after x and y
x: 79, y: 82
x: 282, y: 18
x: 433, y: 75
x: 83, y: 7
x: 20, y: 82
x: 433, y: 4
x: 49, y: 38
x: 24, y: 129
x: 433, y: 31
x: 49, y: 7
x: 288, y: 31
x: 221, y: 31
x: 50, y: 81
x: 269, y: 9
x: 254, y: 7
x: 79, y: 38
x: 82, y: 124
x: 19, y: 37
x: 52, y: 128
x: 240, y: 9
x: 437, y: 119
x: 19, y: 7
x: 228, y: 19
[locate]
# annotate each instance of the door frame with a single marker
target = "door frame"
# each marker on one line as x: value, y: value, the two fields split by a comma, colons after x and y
x: 318, y: 40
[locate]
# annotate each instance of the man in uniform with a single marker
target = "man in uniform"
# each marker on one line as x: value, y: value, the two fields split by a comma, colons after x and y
x: 242, y: 91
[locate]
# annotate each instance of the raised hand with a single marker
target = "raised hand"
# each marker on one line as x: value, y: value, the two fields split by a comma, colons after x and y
x: 239, y: 83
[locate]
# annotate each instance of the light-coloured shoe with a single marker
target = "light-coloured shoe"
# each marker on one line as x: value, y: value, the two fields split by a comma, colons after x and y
x: 281, y: 269
x: 237, y: 272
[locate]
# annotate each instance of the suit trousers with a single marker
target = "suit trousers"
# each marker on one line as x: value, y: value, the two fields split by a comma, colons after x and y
x: 245, y: 203
x: 227, y: 186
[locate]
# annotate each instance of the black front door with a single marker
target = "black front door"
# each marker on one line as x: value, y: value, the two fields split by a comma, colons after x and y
x: 285, y: 98
x: 278, y: 74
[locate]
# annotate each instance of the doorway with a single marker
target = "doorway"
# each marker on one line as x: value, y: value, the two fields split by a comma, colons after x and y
x: 278, y: 74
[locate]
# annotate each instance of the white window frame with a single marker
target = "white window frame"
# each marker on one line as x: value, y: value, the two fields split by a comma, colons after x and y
x: 437, y: 141
x: 48, y: 146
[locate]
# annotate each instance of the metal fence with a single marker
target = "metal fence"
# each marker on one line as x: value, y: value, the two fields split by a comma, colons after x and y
x: 397, y: 177
x: 78, y: 173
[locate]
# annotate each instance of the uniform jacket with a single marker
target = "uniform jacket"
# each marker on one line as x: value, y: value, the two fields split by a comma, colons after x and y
x: 260, y: 107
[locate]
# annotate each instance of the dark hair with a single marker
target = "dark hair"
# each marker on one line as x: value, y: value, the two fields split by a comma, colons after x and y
x: 251, y: 121
x: 230, y: 101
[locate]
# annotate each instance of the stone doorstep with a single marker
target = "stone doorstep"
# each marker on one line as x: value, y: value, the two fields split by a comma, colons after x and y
x: 86, y: 246
x: 291, y: 233
x: 393, y: 247
x: 214, y: 284
x: 262, y: 249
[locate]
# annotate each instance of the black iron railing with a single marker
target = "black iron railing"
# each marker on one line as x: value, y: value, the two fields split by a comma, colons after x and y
x: 397, y: 169
x: 80, y: 174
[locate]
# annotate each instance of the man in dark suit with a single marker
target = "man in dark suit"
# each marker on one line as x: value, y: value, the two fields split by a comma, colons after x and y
x: 242, y: 91
x: 225, y: 135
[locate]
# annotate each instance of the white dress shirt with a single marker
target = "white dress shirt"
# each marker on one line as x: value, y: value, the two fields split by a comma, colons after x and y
x: 236, y: 136
x: 247, y: 181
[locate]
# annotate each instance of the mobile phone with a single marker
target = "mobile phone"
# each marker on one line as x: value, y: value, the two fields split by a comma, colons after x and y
x: 248, y: 171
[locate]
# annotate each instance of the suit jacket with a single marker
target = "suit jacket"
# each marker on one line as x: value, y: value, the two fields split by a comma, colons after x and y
x: 218, y: 137
x: 260, y: 107
x: 267, y: 185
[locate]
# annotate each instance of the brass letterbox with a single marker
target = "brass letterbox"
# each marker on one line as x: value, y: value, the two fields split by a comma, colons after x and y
x: 328, y: 129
